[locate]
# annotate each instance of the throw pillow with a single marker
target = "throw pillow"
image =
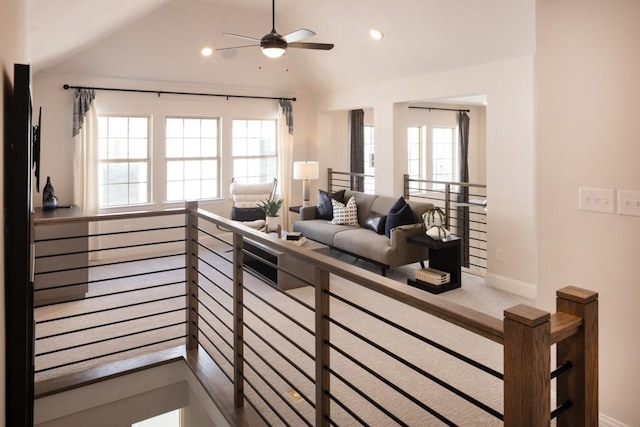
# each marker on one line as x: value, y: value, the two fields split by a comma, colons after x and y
x: 403, y: 216
x: 398, y: 205
x: 375, y: 222
x: 246, y: 214
x: 345, y: 214
x: 324, y: 208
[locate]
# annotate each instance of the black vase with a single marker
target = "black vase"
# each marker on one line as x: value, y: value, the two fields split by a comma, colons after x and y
x: 49, y: 199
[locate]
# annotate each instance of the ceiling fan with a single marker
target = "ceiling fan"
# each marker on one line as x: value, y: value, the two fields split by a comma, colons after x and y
x: 274, y: 45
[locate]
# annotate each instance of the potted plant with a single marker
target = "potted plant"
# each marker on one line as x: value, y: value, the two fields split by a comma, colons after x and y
x: 270, y: 208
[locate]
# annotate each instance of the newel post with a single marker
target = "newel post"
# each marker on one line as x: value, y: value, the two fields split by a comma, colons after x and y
x: 579, y: 385
x: 191, y: 237
x: 527, y: 367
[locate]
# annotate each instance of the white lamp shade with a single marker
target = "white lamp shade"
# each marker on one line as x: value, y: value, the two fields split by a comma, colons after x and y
x: 306, y: 170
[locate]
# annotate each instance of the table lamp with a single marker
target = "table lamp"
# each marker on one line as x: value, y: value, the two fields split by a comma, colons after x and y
x: 306, y: 171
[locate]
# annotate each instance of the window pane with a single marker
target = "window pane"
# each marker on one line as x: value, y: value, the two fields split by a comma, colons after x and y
x: 192, y: 128
x: 175, y: 191
x: 137, y: 193
x: 209, y: 188
x: 138, y: 148
x: 192, y: 170
x: 118, y: 194
x: 209, y: 148
x: 209, y: 169
x: 138, y: 172
x: 174, y: 128
x: 174, y: 148
x: 118, y: 127
x: 118, y: 173
x: 192, y: 147
x: 118, y: 148
x: 138, y: 127
x: 175, y: 171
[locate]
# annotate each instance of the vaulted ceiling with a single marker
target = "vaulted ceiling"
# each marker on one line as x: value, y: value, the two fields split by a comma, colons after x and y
x: 160, y: 40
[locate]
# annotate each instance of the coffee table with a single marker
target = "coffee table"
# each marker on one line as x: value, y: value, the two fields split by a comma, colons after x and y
x: 295, y: 265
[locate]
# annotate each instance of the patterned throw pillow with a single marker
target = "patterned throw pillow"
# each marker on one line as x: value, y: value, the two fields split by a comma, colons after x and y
x: 345, y: 214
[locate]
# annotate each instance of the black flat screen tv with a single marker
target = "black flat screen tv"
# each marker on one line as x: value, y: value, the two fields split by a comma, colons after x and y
x: 18, y: 164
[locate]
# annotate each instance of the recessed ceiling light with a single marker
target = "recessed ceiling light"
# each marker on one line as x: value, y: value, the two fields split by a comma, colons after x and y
x: 206, y: 51
x: 376, y: 34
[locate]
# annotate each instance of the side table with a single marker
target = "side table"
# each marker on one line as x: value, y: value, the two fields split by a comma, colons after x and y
x: 444, y: 255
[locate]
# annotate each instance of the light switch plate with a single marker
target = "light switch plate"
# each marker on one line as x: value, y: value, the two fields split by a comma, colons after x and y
x: 629, y: 202
x: 597, y: 200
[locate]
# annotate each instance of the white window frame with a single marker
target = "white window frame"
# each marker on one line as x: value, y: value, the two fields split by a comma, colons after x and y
x: 193, y: 159
x: 369, y: 159
x: 262, y: 176
x: 104, y: 160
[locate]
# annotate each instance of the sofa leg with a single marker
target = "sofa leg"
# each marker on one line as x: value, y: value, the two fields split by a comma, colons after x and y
x: 383, y: 271
x: 422, y: 264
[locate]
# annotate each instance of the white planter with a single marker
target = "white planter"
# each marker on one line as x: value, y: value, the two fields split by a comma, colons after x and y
x: 273, y: 222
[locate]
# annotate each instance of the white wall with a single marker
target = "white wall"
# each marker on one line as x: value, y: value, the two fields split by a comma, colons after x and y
x: 12, y: 50
x: 509, y: 123
x: 587, y: 81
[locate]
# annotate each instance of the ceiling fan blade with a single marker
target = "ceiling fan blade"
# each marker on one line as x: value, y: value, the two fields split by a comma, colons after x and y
x: 298, y: 35
x: 237, y: 47
x: 318, y: 46
x: 241, y: 36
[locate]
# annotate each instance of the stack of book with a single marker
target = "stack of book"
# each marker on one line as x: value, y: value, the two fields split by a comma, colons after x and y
x: 432, y: 276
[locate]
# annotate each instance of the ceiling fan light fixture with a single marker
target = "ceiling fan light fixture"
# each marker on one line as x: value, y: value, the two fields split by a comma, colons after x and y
x: 272, y: 52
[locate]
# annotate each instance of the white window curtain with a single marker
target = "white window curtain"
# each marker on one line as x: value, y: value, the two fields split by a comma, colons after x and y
x: 285, y: 132
x: 85, y: 139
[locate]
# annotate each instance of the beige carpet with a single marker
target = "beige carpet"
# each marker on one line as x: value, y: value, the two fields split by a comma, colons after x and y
x: 473, y: 294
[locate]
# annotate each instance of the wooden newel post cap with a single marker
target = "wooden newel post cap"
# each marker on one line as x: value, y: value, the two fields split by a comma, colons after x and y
x: 526, y: 315
x: 575, y: 294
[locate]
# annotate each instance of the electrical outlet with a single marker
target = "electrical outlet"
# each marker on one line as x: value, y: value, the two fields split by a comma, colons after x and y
x: 597, y: 200
x: 629, y: 202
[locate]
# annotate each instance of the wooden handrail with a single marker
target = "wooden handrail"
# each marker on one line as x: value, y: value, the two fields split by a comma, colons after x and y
x: 108, y: 216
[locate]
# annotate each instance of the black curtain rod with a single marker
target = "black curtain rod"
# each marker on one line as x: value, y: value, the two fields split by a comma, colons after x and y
x: 442, y: 109
x: 164, y: 92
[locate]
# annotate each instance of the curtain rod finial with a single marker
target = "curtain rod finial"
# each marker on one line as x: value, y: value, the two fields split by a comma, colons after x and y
x: 66, y: 86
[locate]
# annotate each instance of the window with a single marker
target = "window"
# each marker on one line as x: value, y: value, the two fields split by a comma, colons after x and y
x: 254, y: 150
x: 433, y: 159
x: 369, y: 159
x: 191, y: 159
x: 123, y: 155
x: 443, y: 154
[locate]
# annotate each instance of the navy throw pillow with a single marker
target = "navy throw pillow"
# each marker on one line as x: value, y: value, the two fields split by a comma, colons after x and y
x: 403, y: 216
x: 246, y: 214
x: 398, y: 205
x: 324, y: 208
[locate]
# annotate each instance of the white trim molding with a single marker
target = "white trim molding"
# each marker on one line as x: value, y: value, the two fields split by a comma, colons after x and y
x: 510, y: 285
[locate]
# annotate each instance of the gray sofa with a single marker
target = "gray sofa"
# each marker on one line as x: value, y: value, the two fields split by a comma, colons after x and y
x: 387, y: 252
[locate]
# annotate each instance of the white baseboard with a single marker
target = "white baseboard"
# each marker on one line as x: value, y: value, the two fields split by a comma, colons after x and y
x: 604, y: 421
x: 510, y: 285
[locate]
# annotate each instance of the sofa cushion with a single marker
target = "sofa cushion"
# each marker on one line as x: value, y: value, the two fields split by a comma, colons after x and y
x: 403, y: 216
x: 324, y: 208
x: 320, y: 230
x: 375, y: 222
x: 366, y: 244
x: 345, y: 214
